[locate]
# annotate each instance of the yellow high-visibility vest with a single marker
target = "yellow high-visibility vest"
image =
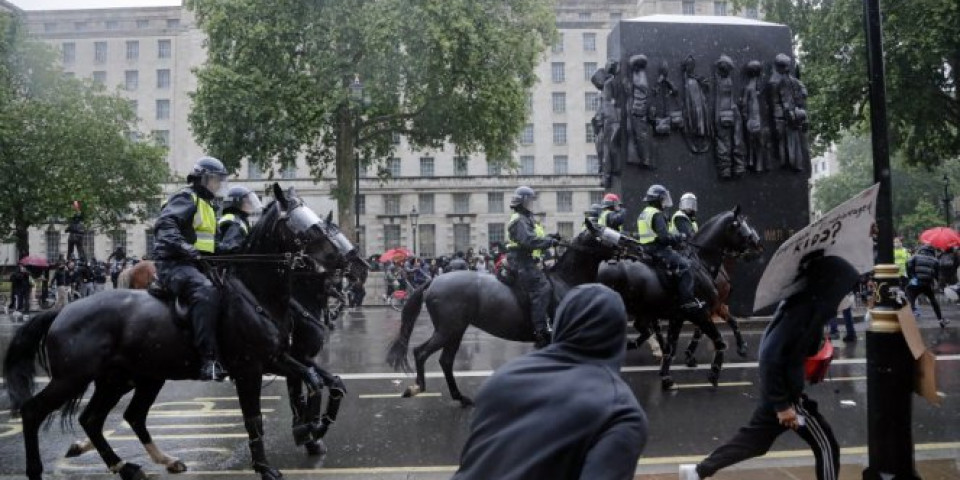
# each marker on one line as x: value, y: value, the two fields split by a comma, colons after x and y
x: 645, y: 233
x: 602, y: 220
x: 205, y: 224
x: 673, y: 222
x: 900, y: 257
x: 537, y: 228
x: 233, y: 218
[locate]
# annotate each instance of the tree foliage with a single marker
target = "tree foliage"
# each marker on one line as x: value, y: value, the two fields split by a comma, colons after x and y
x: 63, y: 140
x: 276, y: 83
x: 922, y: 60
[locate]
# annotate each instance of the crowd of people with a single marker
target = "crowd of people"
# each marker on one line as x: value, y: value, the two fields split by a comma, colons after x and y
x: 411, y: 272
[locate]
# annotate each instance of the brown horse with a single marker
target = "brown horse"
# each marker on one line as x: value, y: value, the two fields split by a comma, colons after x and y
x: 138, y: 277
x: 720, y: 311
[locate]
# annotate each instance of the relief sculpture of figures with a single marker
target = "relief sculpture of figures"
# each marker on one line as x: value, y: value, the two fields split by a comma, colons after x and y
x: 665, y: 112
x: 612, y: 111
x: 729, y: 138
x: 639, y: 118
x: 755, y: 133
x: 698, y: 126
x: 598, y: 79
x: 787, y: 114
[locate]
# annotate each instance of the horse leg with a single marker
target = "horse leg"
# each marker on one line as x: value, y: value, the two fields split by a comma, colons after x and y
x: 298, y: 406
x: 420, y: 355
x: 737, y: 334
x: 447, y: 357
x: 35, y: 410
x: 105, y: 397
x: 719, y: 346
x: 136, y: 416
x: 248, y: 391
x: 673, y: 336
x: 691, y: 352
x: 320, y: 422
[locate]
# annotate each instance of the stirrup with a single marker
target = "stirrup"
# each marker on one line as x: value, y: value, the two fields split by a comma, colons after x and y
x: 692, y: 305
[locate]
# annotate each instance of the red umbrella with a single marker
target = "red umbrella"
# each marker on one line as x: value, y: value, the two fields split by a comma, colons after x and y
x: 941, y: 238
x: 34, y: 261
x: 393, y: 253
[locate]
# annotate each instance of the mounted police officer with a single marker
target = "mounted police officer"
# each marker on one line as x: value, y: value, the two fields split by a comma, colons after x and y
x: 234, y: 225
x: 525, y: 241
x: 684, y: 220
x: 185, y: 229
x: 653, y: 232
x: 613, y: 214
x: 593, y: 214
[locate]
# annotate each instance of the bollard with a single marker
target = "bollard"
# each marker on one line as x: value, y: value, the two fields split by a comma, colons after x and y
x: 891, y: 376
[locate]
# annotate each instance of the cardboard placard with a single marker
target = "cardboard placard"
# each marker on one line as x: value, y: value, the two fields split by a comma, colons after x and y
x: 911, y: 332
x: 926, y: 385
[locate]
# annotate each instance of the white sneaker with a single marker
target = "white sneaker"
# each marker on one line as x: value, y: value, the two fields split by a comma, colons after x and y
x: 689, y: 472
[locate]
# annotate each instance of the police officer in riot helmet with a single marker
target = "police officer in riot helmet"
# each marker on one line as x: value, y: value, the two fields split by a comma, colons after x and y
x: 234, y: 226
x: 593, y: 214
x: 613, y: 214
x: 185, y: 229
x: 684, y: 220
x: 525, y: 241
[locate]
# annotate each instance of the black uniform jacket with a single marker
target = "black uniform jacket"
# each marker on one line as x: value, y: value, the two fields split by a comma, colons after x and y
x: 174, y: 234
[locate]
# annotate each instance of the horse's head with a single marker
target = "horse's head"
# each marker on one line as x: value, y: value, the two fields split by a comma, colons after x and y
x: 738, y: 236
x: 597, y: 240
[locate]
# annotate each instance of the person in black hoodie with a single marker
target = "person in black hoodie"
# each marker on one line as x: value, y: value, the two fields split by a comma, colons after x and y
x: 561, y: 412
x: 922, y: 270
x: 794, y: 334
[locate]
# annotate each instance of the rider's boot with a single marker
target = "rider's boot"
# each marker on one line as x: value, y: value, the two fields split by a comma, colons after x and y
x: 203, y: 315
x: 541, y: 338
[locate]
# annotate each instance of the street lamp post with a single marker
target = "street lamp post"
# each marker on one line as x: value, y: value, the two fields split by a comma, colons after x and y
x: 946, y: 201
x: 356, y: 95
x: 414, y: 217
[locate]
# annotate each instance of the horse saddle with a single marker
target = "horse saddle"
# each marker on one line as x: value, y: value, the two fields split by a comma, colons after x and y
x: 177, y: 305
x: 510, y: 278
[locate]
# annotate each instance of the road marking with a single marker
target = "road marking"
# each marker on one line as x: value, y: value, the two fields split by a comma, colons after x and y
x: 710, y: 385
x: 191, y: 426
x: 200, y: 413
x: 487, y: 373
x: 845, y: 379
x: 185, y: 436
x: 228, y: 399
x: 397, y: 395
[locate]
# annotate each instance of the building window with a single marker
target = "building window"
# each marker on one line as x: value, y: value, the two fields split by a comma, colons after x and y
x: 588, y: 69
x: 289, y: 172
x: 391, y: 236
x: 591, y: 101
x: 163, y: 78
x: 564, y: 201
x: 494, y: 202
x: 584, y: 16
x: 89, y: 244
x: 427, y: 241
x: 362, y: 204
x: 560, y: 165
x: 558, y: 45
x: 173, y: 22
x: 112, y: 24
x: 163, y: 109
x: 565, y: 229
x: 589, y: 42
x: 526, y: 137
x: 151, y: 240
x: 460, y: 166
x: 100, y: 52
x: 496, y: 234
x: 49, y: 27
x: 118, y: 238
x: 557, y: 72
x: 100, y: 77
x: 133, y: 50
x: 393, y: 167
x: 395, y: 138
x: 559, y: 102
x: 461, y: 237
x: 69, y: 54
x: 593, y: 164
x: 362, y: 234
x: 162, y: 137
x: 426, y: 167
x: 53, y: 244
x: 461, y: 203
x: 254, y: 172
x: 752, y: 12
x: 720, y: 9
x: 131, y: 80
x: 425, y: 203
x: 391, y: 204
x: 142, y: 23
x: 688, y: 7
x: 559, y: 133
x: 164, y: 49
x: 596, y: 196
x: 80, y: 26
x: 526, y: 165
x: 493, y: 168
x: 588, y: 129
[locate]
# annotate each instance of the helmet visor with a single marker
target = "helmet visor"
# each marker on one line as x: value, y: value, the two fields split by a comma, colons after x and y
x: 665, y: 200
x: 215, y: 182
x: 250, y: 204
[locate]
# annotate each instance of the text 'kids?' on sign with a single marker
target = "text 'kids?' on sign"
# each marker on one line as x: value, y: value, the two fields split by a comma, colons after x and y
x: 843, y: 232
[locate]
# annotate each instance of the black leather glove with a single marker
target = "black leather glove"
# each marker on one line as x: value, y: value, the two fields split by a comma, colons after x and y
x: 189, y: 251
x: 555, y: 236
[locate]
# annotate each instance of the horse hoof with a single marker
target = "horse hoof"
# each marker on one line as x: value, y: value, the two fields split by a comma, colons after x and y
x: 465, y: 401
x: 75, y: 450
x: 632, y: 345
x: 301, y: 434
x: 742, y: 350
x: 714, y: 380
x: 270, y: 473
x: 132, y: 471
x: 177, y: 467
x: 668, y: 385
x: 411, y: 391
x: 316, y: 447
x: 691, y: 361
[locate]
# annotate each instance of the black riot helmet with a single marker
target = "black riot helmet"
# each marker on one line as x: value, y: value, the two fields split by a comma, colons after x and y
x: 242, y: 199
x: 523, y: 197
x: 209, y: 173
x: 660, y: 195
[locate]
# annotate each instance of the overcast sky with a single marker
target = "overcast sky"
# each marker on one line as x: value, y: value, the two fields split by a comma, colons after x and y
x: 72, y: 4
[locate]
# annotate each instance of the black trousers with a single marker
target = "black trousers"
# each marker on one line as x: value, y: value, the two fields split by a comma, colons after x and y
x: 75, y: 241
x: 675, y: 261
x: 914, y: 291
x: 758, y: 436
x: 534, y: 282
x: 187, y: 283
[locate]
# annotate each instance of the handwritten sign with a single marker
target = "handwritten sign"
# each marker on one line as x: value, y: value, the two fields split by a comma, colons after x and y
x: 843, y: 232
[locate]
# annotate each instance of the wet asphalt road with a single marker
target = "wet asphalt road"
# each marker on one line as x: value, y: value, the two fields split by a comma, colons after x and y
x: 379, y: 433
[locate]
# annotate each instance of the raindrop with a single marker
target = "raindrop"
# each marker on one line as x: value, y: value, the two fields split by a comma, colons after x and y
x: 848, y: 403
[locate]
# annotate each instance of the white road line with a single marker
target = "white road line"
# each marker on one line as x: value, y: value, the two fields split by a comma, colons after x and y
x: 397, y: 395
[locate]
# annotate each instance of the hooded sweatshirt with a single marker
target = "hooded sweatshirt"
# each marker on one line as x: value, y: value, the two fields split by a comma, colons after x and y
x: 562, y: 412
x: 797, y: 329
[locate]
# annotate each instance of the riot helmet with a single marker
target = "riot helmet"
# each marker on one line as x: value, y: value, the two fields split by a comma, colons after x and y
x: 659, y: 194
x: 611, y: 200
x: 209, y: 173
x: 593, y: 213
x: 242, y: 199
x: 524, y: 197
x: 688, y: 203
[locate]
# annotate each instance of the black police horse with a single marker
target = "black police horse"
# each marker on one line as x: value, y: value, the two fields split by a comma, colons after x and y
x: 459, y: 299
x: 649, y: 297
x: 127, y: 339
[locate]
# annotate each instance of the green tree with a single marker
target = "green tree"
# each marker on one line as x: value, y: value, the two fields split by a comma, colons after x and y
x: 922, y: 61
x: 63, y: 140
x: 925, y: 215
x: 276, y: 83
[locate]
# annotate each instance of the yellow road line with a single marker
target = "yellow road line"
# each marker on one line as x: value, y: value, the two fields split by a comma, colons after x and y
x: 845, y: 379
x: 192, y: 426
x: 185, y: 436
x: 201, y: 413
x: 710, y: 385
x: 397, y: 395
x: 227, y: 399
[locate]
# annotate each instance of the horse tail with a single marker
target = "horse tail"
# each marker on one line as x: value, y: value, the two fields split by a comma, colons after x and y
x: 397, y: 356
x: 19, y: 364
